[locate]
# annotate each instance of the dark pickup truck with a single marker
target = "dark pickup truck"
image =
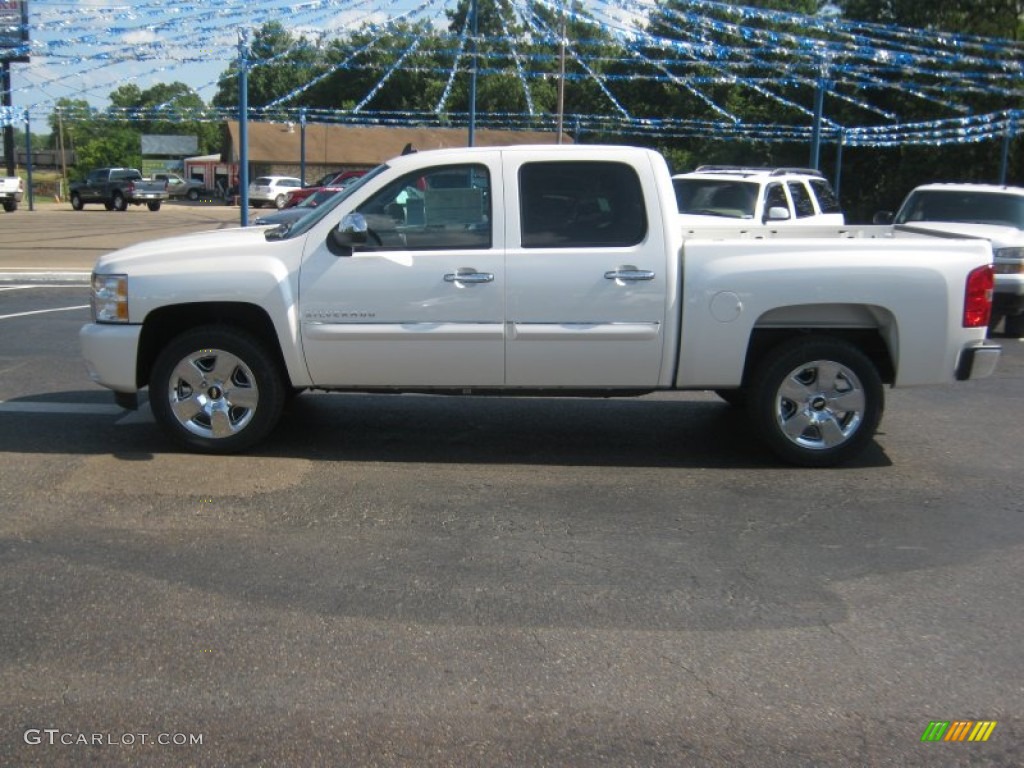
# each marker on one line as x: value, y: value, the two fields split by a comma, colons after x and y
x: 116, y: 189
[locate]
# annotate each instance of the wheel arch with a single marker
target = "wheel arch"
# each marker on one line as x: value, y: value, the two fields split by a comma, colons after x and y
x: 872, y: 329
x: 163, y: 324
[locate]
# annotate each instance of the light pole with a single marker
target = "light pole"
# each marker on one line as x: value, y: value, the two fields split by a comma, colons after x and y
x: 243, y: 125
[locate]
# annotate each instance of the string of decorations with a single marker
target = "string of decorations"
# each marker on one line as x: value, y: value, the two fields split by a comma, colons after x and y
x: 692, y: 46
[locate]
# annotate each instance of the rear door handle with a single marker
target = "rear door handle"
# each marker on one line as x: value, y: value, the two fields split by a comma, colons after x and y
x: 629, y: 274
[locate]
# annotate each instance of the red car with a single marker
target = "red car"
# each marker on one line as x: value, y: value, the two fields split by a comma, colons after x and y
x: 341, y: 180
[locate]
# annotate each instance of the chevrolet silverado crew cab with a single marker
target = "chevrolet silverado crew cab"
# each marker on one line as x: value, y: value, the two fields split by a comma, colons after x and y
x: 992, y: 212
x: 558, y: 270
x: 760, y: 196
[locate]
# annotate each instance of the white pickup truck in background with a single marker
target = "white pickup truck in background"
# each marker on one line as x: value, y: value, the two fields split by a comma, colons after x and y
x: 992, y: 212
x: 11, y: 190
x: 536, y: 270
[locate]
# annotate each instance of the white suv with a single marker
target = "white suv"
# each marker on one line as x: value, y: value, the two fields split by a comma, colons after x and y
x: 989, y: 211
x: 717, y: 194
x: 272, y: 189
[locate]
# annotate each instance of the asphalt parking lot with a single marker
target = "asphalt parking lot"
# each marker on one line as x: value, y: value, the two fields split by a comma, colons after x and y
x: 425, y: 581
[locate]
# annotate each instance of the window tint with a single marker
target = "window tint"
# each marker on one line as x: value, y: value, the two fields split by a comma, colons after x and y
x: 775, y: 197
x: 580, y: 204
x: 961, y: 206
x: 827, y: 201
x: 801, y: 200
x: 713, y: 197
x: 446, y: 207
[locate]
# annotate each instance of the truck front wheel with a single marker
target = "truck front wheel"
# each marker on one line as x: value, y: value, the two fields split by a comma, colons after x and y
x: 216, y: 389
x: 76, y: 201
x: 816, y: 401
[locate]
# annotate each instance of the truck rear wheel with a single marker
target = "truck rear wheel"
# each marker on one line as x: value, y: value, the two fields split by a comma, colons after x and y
x: 120, y: 204
x: 216, y: 389
x: 10, y: 206
x: 153, y: 206
x: 816, y: 401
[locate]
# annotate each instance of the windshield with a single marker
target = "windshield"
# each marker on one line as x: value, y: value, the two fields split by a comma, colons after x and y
x: 963, y: 207
x: 304, y: 224
x: 716, y: 197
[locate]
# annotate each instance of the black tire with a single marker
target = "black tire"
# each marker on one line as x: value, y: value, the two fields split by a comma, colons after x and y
x: 10, y: 206
x: 737, y: 398
x: 1013, y: 326
x: 216, y: 389
x: 108, y: 205
x: 154, y: 206
x: 193, y: 195
x: 816, y: 401
x: 76, y: 201
x: 119, y: 202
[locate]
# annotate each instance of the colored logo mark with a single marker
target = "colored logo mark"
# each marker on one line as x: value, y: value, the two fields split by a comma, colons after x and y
x: 958, y: 730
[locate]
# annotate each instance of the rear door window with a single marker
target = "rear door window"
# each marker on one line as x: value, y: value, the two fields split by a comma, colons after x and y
x: 580, y: 204
x: 801, y: 200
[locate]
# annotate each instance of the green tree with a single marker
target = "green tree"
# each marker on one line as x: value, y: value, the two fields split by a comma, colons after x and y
x: 171, y: 109
x: 278, y: 64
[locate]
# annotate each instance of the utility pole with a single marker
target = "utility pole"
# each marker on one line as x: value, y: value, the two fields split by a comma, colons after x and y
x: 474, y: 23
x: 243, y: 125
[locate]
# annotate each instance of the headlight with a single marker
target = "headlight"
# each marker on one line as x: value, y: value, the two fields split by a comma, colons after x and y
x: 1009, y: 253
x: 109, y: 298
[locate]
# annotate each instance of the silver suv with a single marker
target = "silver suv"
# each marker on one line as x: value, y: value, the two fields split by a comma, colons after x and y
x: 717, y: 194
x: 272, y: 189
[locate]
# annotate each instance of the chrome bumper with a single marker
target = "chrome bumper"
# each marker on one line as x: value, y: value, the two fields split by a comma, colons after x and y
x: 978, y: 361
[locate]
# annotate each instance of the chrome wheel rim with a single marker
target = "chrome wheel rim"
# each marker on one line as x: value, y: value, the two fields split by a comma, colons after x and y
x: 820, y: 405
x: 213, y: 393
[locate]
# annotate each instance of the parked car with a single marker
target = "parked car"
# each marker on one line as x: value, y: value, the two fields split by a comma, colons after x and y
x: 763, y: 196
x: 11, y: 190
x: 292, y: 213
x: 116, y: 189
x: 272, y: 189
x: 338, y: 180
x: 989, y: 211
x: 179, y: 187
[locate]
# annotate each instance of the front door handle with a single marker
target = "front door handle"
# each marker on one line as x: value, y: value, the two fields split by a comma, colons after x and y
x: 629, y: 274
x: 469, y: 275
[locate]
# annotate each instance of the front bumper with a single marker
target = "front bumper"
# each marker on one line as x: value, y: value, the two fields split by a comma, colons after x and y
x: 978, y: 360
x: 111, y: 354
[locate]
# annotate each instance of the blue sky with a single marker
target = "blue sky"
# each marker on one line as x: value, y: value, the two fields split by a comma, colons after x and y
x: 84, y: 49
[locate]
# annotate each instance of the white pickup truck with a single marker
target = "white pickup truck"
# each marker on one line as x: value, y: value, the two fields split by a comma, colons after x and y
x: 11, y: 190
x: 535, y: 270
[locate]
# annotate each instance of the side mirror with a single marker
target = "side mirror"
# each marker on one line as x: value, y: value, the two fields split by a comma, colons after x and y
x: 883, y: 217
x: 777, y: 213
x: 350, y: 232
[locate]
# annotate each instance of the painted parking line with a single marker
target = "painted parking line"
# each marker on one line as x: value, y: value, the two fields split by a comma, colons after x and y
x: 43, y: 311
x: 40, y: 286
